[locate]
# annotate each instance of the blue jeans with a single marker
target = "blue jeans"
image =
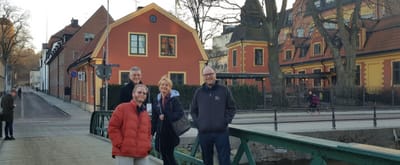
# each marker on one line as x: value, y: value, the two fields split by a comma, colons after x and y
x: 8, y: 129
x: 221, y: 142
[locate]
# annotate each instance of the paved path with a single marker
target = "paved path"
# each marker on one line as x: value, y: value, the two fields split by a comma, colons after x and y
x: 58, y: 139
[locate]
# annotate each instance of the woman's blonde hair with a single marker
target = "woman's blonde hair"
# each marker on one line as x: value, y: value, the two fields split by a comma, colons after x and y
x: 167, y: 79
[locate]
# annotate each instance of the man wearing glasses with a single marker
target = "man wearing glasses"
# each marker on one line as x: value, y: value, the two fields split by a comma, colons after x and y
x: 212, y: 109
x: 130, y: 130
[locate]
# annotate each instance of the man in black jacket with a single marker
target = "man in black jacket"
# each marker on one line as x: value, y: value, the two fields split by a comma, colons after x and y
x: 7, y: 103
x: 135, y: 76
x: 212, y: 109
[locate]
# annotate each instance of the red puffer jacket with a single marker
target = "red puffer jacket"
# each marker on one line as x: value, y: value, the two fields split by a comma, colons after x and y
x: 130, y: 131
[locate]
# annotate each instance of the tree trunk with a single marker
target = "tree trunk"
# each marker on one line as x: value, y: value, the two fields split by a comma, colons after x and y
x: 277, y: 79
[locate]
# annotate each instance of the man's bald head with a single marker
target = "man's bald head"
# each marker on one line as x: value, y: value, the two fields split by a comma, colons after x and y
x: 209, y: 76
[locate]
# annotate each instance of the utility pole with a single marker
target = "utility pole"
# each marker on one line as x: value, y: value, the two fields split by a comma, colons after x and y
x: 105, y: 59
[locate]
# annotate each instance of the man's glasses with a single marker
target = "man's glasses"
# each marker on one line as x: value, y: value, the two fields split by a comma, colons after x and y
x: 140, y: 92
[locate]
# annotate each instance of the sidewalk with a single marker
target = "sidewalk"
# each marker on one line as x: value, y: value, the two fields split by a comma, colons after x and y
x: 55, y: 142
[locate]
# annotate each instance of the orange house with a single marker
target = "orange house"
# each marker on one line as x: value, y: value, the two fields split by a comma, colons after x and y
x: 247, y: 49
x: 157, y: 42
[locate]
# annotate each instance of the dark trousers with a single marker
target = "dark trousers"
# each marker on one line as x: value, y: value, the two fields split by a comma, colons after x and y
x: 221, y: 142
x: 8, y: 129
x: 167, y: 153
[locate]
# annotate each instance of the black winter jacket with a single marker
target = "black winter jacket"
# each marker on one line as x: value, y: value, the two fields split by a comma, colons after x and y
x: 212, y: 109
x: 7, y: 103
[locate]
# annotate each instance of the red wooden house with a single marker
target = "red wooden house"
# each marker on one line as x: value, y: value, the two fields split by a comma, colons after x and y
x: 153, y: 39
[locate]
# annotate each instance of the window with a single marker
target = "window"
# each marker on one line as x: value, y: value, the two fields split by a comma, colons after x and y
x: 288, y: 55
x: 88, y: 37
x: 302, y: 81
x: 317, y: 81
x: 124, y: 78
x: 289, y: 81
x: 329, y: 1
x: 138, y: 44
x: 317, y: 49
x: 168, y: 45
x: 329, y: 25
x: 358, y: 75
x: 177, y: 78
x: 396, y: 73
x: 333, y: 70
x: 258, y: 57
x: 234, y: 54
x: 317, y: 3
x: 300, y: 32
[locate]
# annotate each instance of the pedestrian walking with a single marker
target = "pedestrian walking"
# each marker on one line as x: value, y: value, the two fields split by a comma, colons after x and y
x: 130, y: 130
x: 212, y: 109
x: 19, y: 92
x: 167, y: 109
x: 135, y: 77
x: 7, y: 104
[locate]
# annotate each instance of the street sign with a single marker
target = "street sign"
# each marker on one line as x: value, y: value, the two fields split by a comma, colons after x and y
x: 103, y: 71
x: 74, y: 74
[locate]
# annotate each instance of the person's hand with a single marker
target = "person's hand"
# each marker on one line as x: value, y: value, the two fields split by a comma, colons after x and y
x: 162, y: 117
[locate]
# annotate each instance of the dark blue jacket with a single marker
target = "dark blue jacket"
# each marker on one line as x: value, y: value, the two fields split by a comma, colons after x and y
x: 212, y: 108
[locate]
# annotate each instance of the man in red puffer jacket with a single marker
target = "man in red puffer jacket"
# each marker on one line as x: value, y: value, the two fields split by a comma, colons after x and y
x: 130, y: 130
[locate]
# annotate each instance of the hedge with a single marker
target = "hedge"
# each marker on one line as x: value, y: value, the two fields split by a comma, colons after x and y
x: 246, y: 96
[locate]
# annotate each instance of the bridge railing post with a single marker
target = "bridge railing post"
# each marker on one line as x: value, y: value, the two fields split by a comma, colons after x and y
x: 374, y: 119
x: 333, y: 118
x: 275, y: 120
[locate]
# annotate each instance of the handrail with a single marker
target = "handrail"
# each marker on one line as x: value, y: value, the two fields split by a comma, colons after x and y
x: 320, y: 149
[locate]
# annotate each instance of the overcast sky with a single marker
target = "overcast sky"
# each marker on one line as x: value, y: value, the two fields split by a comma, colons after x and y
x: 47, y: 17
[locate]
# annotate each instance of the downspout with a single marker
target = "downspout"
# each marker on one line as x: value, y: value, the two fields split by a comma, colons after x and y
x: 93, y: 84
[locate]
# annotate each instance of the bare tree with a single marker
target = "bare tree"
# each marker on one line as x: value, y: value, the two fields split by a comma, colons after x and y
x: 346, y: 37
x: 23, y: 61
x: 13, y: 34
x: 206, y: 15
x: 272, y: 25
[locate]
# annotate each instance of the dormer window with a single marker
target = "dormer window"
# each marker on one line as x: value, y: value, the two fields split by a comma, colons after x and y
x: 317, y: 49
x: 288, y: 55
x: 88, y: 37
x: 317, y: 3
x: 300, y: 32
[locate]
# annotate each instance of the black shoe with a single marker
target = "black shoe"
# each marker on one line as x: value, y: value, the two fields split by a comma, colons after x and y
x: 12, y: 138
x: 7, y: 138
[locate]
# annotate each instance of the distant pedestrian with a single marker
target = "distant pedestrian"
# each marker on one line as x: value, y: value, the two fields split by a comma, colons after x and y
x: 19, y: 92
x: 166, y: 110
x: 314, y: 102
x: 212, y: 109
x: 135, y: 77
x: 7, y: 103
x: 129, y: 130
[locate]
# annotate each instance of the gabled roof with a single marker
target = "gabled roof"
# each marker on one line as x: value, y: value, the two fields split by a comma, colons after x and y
x: 385, y: 36
x: 96, y: 25
x: 143, y: 10
x: 67, y: 30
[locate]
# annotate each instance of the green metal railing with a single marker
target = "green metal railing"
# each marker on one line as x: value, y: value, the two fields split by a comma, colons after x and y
x: 319, y: 149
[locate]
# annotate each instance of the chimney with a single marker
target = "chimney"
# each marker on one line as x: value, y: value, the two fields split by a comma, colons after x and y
x: 44, y: 46
x: 74, y: 22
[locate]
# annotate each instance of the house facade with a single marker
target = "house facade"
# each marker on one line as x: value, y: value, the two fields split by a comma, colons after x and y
x: 304, y: 51
x: 55, y: 58
x: 151, y: 38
